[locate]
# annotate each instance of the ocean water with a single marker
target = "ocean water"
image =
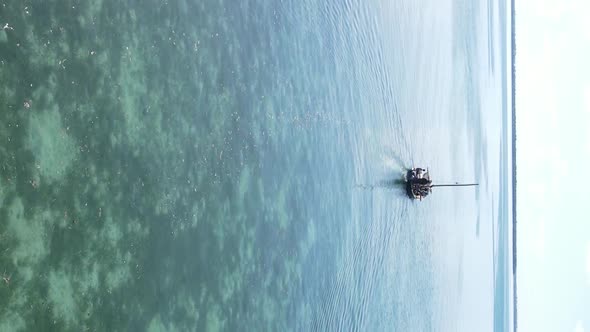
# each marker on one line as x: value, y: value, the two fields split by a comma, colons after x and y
x: 237, y: 166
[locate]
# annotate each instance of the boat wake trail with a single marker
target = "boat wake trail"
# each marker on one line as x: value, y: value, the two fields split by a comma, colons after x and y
x: 394, y: 162
x: 384, y: 184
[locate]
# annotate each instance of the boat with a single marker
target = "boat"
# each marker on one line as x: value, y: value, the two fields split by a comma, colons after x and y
x: 419, y: 185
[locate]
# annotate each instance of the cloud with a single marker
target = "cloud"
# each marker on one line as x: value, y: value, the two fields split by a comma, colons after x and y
x: 534, y: 243
x: 540, y: 240
x: 579, y: 327
x: 587, y: 107
x: 546, y: 9
x: 556, y: 11
x: 588, y: 263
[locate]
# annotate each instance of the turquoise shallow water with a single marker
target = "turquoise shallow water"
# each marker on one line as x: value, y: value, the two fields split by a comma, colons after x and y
x: 179, y: 166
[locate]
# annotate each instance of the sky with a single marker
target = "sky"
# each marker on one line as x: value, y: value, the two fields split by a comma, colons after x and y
x: 553, y: 155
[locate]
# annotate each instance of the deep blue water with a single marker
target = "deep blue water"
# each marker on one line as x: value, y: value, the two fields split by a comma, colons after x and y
x: 182, y: 165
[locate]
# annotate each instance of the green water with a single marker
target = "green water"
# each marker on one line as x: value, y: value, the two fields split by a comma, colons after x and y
x: 133, y: 142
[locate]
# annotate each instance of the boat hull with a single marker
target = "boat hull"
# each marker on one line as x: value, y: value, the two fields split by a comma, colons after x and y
x: 417, y: 187
x: 410, y: 178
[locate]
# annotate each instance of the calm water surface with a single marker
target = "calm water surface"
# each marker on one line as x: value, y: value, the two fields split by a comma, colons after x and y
x: 214, y: 165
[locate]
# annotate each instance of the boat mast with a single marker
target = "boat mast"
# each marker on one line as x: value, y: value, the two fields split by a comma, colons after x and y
x: 455, y: 185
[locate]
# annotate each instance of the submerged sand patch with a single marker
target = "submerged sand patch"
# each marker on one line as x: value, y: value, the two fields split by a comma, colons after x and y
x: 30, y: 235
x: 12, y: 321
x: 61, y: 296
x: 53, y: 148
